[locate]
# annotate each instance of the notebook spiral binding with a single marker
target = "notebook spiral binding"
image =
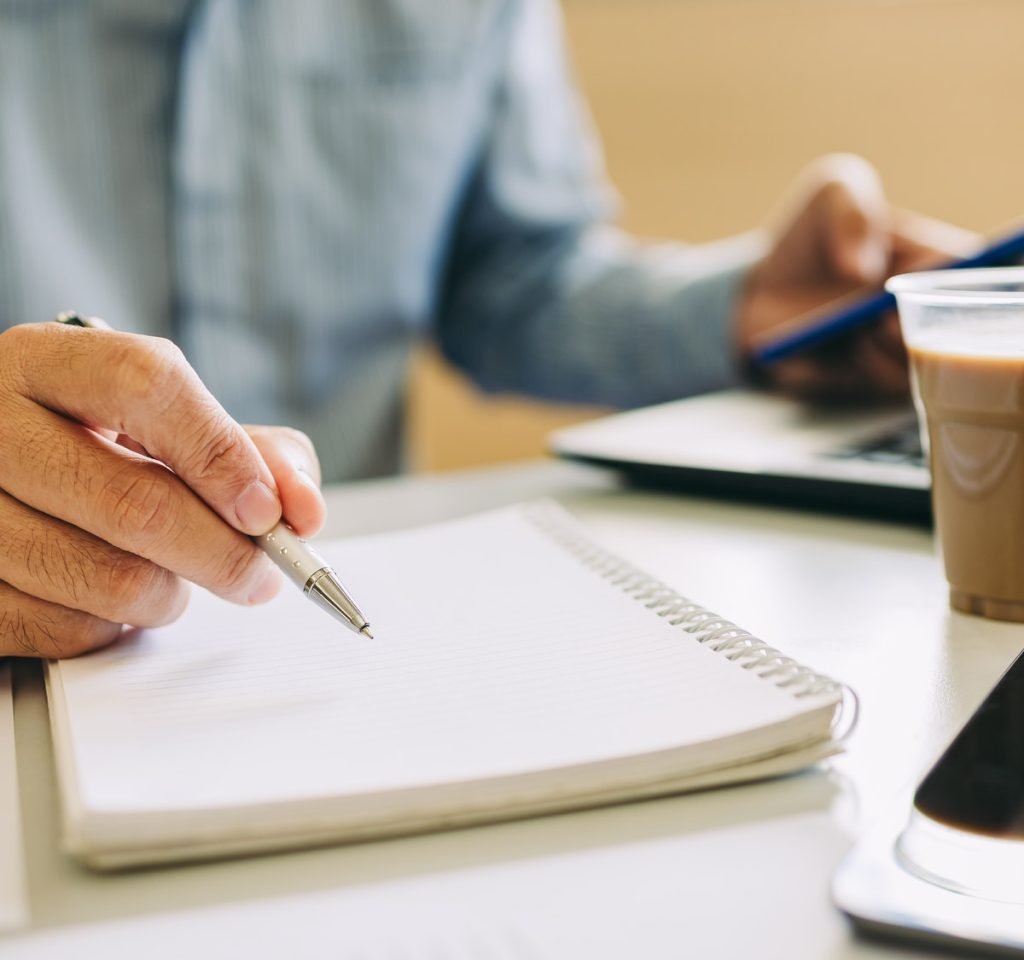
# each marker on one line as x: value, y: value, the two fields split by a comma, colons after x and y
x: 707, y: 628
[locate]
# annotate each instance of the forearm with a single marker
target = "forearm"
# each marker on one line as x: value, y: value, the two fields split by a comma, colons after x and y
x: 595, y: 317
x: 538, y: 296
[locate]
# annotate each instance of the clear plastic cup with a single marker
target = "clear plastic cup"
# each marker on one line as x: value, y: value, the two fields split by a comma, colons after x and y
x: 964, y: 330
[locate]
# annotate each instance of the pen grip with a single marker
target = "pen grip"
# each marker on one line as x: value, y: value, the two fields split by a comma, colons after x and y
x: 292, y: 554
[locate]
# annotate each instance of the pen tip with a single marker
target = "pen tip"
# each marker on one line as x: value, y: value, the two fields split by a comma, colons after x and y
x: 366, y: 629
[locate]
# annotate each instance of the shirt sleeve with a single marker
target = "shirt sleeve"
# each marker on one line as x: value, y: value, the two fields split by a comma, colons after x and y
x: 541, y: 295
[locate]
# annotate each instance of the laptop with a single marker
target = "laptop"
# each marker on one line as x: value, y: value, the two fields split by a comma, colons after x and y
x: 752, y: 445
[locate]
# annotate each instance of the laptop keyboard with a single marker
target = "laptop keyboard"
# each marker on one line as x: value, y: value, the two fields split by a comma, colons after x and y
x: 898, y: 446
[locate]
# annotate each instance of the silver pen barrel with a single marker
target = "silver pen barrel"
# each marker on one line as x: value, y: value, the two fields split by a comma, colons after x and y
x: 313, y: 575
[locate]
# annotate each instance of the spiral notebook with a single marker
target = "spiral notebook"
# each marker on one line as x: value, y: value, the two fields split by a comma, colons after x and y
x: 517, y: 668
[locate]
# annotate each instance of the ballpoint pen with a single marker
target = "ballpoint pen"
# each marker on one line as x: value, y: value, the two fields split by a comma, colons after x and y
x: 309, y: 571
x: 299, y: 562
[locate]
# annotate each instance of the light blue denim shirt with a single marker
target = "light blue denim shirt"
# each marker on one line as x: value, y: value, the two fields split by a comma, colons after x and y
x: 297, y: 192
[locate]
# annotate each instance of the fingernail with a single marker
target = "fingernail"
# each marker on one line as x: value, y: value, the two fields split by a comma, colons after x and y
x: 267, y: 586
x: 258, y: 508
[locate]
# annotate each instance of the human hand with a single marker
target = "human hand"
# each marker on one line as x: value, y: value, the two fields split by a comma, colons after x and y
x: 121, y: 477
x: 838, y: 234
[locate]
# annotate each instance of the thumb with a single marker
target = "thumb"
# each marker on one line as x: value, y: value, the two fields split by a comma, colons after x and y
x: 293, y: 462
x: 854, y: 219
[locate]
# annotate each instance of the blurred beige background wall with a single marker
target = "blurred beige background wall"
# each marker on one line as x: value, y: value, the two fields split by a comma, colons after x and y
x: 707, y: 108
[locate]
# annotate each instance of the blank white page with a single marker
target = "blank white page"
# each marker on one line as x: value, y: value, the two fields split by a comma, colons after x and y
x: 496, y: 652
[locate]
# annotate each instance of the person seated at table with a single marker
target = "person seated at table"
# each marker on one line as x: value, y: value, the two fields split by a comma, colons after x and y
x: 272, y: 204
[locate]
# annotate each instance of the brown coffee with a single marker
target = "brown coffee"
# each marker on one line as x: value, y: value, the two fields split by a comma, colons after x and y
x: 974, y: 410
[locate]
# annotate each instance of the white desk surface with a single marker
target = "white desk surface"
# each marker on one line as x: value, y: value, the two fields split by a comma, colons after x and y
x: 735, y: 873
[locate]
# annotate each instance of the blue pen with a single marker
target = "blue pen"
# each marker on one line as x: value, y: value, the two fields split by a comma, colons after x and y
x: 851, y: 312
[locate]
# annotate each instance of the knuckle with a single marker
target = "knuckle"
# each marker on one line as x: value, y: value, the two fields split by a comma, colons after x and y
x: 214, y: 446
x: 134, y: 584
x: 140, y: 504
x: 149, y: 367
x: 839, y: 166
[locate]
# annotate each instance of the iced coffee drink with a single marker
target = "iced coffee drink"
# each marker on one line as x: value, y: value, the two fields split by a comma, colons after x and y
x: 965, y: 334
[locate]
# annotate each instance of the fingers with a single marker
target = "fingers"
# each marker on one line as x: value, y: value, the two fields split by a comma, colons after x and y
x: 119, y: 471
x: 839, y: 236
x: 57, y: 562
x: 137, y: 504
x: 293, y: 462
x: 855, y: 219
x: 863, y: 367
x: 30, y: 627
x: 833, y: 226
x: 143, y: 387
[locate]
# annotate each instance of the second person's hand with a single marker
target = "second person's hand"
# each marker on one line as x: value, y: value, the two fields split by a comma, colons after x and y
x: 121, y: 477
x: 837, y: 234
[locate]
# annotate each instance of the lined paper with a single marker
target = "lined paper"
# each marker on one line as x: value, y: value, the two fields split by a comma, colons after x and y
x: 495, y: 652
